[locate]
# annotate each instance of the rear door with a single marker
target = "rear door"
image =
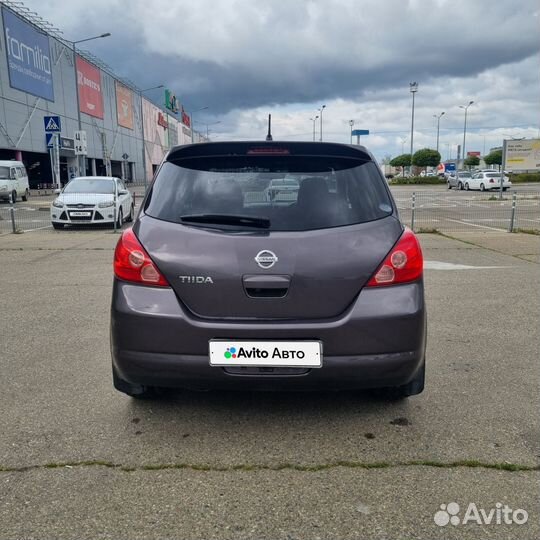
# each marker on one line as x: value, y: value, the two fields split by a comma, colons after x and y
x: 322, y: 246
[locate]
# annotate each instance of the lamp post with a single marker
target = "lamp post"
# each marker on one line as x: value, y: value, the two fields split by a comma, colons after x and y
x: 403, y: 140
x: 351, y: 123
x: 191, y: 121
x: 314, y: 120
x: 464, y: 107
x: 413, y: 88
x: 142, y: 130
x: 207, y: 125
x: 438, y: 117
x: 79, y: 123
x: 320, y: 112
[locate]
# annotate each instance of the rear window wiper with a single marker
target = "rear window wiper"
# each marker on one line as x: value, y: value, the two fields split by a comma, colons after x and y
x: 227, y: 219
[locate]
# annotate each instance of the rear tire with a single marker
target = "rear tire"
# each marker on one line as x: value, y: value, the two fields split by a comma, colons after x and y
x: 466, y: 186
x: 26, y: 195
x: 136, y: 391
x: 413, y: 387
x: 505, y: 188
x: 482, y: 187
x: 449, y: 186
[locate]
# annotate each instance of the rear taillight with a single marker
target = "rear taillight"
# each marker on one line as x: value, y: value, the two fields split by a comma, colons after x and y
x: 403, y: 264
x: 132, y: 263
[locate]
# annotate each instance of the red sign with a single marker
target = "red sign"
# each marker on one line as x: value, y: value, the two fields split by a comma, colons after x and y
x: 162, y: 121
x: 186, y: 120
x: 89, y: 88
x: 477, y: 154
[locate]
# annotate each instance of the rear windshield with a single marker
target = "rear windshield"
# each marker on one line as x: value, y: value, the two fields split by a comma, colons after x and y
x: 293, y: 193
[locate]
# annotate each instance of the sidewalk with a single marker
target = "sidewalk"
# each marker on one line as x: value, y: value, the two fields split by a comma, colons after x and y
x: 521, y: 245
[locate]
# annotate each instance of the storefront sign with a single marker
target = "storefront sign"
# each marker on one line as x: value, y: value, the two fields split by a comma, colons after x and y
x: 124, y: 106
x: 89, y: 88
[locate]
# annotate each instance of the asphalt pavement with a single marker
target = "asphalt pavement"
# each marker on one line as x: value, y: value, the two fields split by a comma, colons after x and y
x: 79, y: 460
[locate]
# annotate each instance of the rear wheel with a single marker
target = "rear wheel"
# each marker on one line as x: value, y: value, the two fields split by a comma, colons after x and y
x: 26, y: 195
x: 505, y: 188
x: 460, y: 186
x: 137, y: 391
x: 466, y: 186
x: 482, y: 187
x: 413, y: 387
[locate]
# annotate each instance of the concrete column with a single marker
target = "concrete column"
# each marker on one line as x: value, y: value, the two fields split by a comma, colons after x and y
x: 18, y: 155
x: 93, y: 165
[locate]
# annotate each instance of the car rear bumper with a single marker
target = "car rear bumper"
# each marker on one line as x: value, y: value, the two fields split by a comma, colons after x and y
x: 379, y: 341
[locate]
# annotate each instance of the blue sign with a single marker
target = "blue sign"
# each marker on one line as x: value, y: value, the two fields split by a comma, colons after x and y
x: 358, y: 132
x: 49, y: 139
x: 28, y: 57
x: 449, y: 167
x: 52, y: 123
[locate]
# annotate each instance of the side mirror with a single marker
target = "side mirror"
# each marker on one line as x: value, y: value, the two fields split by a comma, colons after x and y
x: 122, y: 192
x: 57, y: 191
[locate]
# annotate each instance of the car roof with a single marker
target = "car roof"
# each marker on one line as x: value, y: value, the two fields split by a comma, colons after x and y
x: 94, y: 178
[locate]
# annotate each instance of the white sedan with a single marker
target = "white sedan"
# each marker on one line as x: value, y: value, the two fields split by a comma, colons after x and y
x: 485, y: 181
x: 90, y: 200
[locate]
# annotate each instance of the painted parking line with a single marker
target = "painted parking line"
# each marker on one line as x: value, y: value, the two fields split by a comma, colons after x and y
x: 475, y: 225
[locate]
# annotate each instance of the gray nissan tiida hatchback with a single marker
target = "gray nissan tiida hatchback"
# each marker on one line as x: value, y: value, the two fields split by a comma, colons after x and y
x: 225, y: 283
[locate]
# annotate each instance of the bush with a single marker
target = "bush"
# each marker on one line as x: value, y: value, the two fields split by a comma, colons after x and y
x: 418, y: 180
x: 522, y: 178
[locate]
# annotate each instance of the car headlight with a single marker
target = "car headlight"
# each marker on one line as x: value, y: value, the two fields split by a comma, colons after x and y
x: 57, y: 203
x: 105, y: 204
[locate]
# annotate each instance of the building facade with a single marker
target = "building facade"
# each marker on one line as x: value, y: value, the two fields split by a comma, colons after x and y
x: 42, y: 75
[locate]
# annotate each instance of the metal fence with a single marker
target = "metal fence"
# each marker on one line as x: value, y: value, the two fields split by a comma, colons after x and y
x: 453, y: 211
x: 423, y: 210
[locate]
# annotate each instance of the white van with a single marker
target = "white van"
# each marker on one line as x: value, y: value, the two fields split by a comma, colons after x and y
x: 13, y: 180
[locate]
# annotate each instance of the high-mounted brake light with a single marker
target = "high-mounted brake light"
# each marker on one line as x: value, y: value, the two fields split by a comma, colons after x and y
x: 132, y: 263
x: 403, y: 264
x: 268, y: 151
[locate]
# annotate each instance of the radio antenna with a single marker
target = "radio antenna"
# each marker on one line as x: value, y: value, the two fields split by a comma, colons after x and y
x: 269, y: 136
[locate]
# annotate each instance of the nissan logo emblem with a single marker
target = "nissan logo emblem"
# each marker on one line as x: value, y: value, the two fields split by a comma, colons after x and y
x: 266, y: 259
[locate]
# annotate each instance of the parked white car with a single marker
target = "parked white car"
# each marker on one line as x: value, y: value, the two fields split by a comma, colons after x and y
x: 485, y: 181
x: 91, y: 200
x: 13, y: 181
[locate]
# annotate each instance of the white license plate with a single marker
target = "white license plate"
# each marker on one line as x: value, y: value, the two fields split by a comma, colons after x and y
x: 265, y: 353
x: 80, y: 214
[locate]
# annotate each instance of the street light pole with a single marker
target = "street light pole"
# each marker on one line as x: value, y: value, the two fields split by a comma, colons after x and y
x: 79, y: 122
x: 351, y: 123
x: 465, y: 107
x: 314, y: 120
x: 191, y: 121
x: 413, y: 88
x: 321, y: 111
x: 438, y: 117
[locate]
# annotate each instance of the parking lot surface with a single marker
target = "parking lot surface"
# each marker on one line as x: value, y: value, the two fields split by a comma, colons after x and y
x: 79, y: 460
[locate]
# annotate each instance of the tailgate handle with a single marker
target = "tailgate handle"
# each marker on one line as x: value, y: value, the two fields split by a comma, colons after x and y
x: 265, y: 286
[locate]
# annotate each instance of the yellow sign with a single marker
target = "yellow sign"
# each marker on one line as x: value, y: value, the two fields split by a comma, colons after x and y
x: 523, y: 155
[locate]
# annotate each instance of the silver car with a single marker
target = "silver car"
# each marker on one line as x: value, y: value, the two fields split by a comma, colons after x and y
x: 458, y: 180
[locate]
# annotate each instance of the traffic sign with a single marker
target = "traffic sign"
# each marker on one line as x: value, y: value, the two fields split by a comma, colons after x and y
x: 81, y: 145
x: 358, y: 132
x: 125, y: 156
x: 49, y: 139
x: 52, y: 123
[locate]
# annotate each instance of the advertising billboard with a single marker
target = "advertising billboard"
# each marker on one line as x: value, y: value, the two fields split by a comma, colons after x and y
x: 124, y: 106
x: 89, y: 88
x: 28, y: 57
x: 523, y: 155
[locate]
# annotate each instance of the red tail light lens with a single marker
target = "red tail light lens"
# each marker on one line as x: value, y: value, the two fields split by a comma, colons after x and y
x: 403, y: 264
x: 132, y: 263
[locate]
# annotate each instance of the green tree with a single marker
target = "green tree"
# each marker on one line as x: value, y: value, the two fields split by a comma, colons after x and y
x: 427, y: 157
x: 494, y: 158
x: 472, y: 161
x: 404, y: 160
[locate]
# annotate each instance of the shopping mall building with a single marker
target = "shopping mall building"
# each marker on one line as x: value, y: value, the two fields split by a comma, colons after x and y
x: 42, y: 74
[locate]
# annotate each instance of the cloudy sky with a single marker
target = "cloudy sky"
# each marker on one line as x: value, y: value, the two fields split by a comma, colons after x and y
x: 244, y: 59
